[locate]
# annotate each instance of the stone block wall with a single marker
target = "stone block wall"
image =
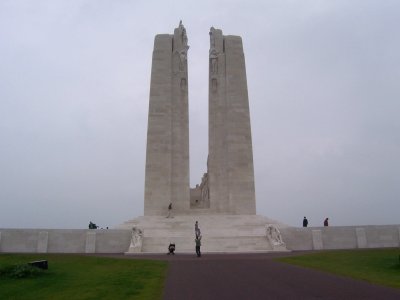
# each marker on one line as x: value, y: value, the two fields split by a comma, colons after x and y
x: 118, y: 240
x: 64, y: 240
x: 341, y: 237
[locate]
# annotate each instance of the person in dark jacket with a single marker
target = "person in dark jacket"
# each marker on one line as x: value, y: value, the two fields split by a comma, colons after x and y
x: 305, y: 222
x: 171, y: 249
x: 326, y: 222
x: 198, y: 244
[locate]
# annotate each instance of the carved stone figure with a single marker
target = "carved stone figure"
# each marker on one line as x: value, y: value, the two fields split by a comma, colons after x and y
x: 204, y: 188
x: 214, y: 61
x: 274, y: 235
x: 182, y: 60
x: 184, y: 38
x: 213, y: 52
x: 136, y: 240
x: 214, y: 85
x: 183, y: 84
x: 212, y: 37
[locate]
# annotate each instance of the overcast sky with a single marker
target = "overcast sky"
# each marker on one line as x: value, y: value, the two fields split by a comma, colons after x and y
x: 324, y: 92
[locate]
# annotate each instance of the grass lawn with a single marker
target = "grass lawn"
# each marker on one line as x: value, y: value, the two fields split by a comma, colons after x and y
x: 85, y: 277
x: 378, y: 266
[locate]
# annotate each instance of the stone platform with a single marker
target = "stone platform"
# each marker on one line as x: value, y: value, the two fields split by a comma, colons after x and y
x: 220, y: 233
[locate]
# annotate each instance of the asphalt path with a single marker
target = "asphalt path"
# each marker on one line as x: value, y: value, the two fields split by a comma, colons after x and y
x: 257, y: 276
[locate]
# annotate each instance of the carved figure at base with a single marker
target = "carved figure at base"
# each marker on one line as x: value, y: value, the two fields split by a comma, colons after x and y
x: 274, y: 235
x: 136, y: 240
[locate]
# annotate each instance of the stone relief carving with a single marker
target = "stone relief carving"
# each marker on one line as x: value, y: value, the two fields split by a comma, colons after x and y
x: 205, y: 194
x: 200, y: 195
x: 213, y: 53
x: 180, y: 52
x: 183, y: 84
x: 212, y: 38
x: 136, y: 240
x: 214, y: 85
x: 182, y: 59
x: 184, y: 38
x: 274, y: 235
x: 214, y: 61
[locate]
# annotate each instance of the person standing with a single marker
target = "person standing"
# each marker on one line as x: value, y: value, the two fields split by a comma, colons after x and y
x: 196, y: 229
x: 198, y: 244
x: 169, y: 210
x: 305, y: 222
x: 326, y: 222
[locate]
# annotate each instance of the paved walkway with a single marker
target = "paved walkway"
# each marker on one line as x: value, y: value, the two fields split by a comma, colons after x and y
x: 257, y: 276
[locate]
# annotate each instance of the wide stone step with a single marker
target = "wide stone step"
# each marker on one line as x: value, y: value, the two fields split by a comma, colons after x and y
x: 209, y: 244
x: 220, y: 233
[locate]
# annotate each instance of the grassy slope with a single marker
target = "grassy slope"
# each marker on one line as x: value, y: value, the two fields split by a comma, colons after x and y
x: 378, y: 266
x: 80, y: 277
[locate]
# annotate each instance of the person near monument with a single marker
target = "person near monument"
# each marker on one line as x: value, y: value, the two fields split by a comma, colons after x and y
x: 198, y: 245
x: 326, y: 222
x: 305, y: 222
x: 92, y: 225
x: 196, y: 229
x: 171, y: 249
x: 169, y: 215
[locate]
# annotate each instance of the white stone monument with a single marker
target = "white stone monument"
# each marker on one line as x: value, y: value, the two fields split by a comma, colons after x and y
x: 224, y: 201
x: 228, y: 186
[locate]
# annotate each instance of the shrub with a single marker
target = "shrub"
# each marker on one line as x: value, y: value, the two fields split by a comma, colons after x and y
x: 20, y: 271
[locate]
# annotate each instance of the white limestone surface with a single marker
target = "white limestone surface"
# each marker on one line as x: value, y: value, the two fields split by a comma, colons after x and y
x: 42, y: 242
x: 220, y: 233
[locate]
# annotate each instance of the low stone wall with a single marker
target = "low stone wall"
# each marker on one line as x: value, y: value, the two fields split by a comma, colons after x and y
x: 341, y: 237
x: 118, y: 240
x: 65, y: 240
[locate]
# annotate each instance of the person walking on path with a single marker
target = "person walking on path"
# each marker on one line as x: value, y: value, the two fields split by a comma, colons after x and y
x: 305, y: 222
x: 169, y: 211
x: 326, y: 222
x: 198, y: 244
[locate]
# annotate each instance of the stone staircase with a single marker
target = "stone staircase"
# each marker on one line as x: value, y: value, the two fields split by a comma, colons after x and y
x: 220, y: 233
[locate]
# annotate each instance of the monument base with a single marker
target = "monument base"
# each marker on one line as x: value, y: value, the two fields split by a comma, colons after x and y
x: 220, y: 233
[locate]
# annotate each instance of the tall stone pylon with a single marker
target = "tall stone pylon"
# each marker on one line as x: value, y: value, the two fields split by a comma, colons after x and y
x: 167, y: 153
x: 228, y: 185
x: 230, y: 161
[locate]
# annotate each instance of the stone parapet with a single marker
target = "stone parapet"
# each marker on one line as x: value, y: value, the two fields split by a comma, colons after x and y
x: 341, y: 237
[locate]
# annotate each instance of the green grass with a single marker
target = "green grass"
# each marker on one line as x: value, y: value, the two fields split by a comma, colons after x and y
x: 84, y: 277
x: 378, y: 266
